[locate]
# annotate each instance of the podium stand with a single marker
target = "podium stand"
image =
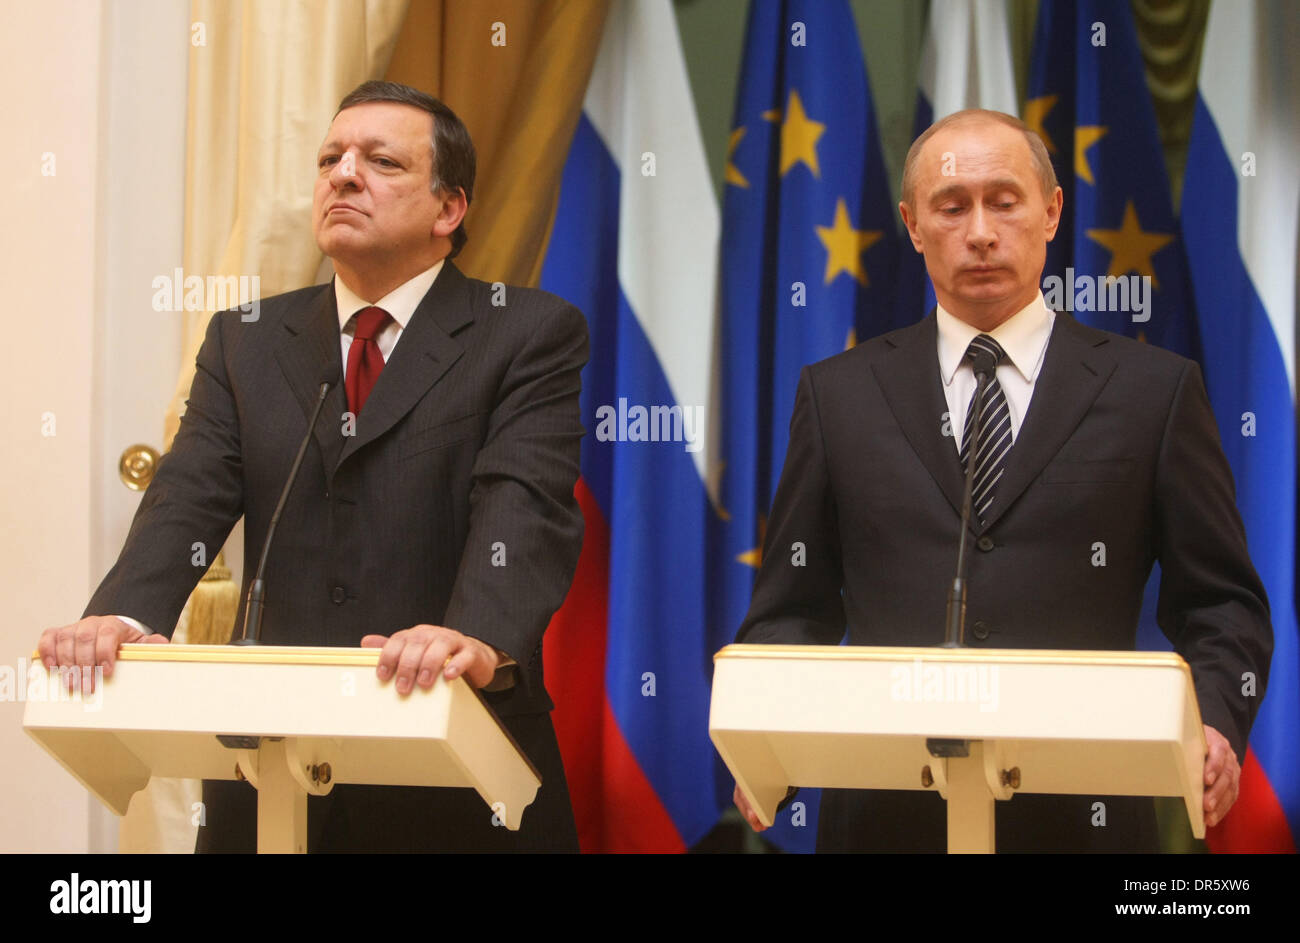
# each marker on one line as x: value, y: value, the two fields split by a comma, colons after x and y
x: 976, y: 725
x: 293, y: 721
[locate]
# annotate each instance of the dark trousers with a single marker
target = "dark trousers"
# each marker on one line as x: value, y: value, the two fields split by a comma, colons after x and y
x: 853, y: 820
x: 358, y: 818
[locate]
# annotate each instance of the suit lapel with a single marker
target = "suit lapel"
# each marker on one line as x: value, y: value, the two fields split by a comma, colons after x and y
x: 425, y: 351
x: 910, y: 380
x: 1076, y: 367
x: 308, y: 354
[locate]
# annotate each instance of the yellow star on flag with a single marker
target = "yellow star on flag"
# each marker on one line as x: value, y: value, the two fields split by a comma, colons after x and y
x: 732, y: 173
x: 845, y: 245
x: 1131, y: 248
x: 754, y: 557
x: 1085, y: 136
x: 799, y: 136
x: 1036, y: 111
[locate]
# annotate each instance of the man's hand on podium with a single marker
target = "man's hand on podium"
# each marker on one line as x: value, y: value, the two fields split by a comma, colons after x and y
x: 1222, y: 776
x: 417, y: 654
x: 89, y: 644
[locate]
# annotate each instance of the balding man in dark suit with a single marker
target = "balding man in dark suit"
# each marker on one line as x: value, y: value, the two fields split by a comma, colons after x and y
x: 1090, y: 438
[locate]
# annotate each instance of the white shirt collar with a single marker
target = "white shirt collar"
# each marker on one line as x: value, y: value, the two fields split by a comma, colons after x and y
x: 1023, y: 336
x: 401, y: 302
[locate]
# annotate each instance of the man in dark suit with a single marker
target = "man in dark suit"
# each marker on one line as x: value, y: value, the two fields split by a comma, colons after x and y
x: 434, y: 515
x: 1100, y: 455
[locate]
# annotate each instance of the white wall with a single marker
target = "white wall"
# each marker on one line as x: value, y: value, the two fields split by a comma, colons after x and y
x: 100, y: 85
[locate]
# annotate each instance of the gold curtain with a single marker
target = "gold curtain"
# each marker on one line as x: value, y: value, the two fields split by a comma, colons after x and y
x: 515, y: 71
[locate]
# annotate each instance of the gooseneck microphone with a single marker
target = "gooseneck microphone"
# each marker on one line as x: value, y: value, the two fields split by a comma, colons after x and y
x: 984, y: 364
x: 252, y: 634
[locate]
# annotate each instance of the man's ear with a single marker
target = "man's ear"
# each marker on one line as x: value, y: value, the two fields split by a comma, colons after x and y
x: 909, y: 220
x: 1054, y: 206
x: 453, y: 210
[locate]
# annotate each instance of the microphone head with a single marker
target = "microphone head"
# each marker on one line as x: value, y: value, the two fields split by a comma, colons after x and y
x: 982, y: 361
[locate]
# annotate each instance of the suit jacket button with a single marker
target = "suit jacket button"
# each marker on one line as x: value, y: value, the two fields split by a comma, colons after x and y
x: 338, y: 595
x: 985, y: 543
x: 980, y: 630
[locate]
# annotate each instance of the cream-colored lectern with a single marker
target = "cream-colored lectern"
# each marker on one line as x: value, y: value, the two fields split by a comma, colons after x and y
x: 975, y: 725
x: 292, y: 721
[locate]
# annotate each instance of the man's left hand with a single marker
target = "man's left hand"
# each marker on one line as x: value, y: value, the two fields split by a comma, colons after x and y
x: 1222, y: 776
x: 416, y: 655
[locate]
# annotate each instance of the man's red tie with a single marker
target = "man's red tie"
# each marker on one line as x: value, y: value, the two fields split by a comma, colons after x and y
x: 365, y: 362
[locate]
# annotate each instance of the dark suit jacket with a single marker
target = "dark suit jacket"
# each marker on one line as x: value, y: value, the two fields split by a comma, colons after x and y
x: 468, y: 448
x: 1119, y: 446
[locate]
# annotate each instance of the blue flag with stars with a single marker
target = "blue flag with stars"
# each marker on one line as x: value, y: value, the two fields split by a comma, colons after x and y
x: 1089, y: 102
x: 810, y: 254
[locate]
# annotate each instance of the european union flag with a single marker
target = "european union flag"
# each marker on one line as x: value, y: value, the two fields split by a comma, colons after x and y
x: 809, y: 261
x: 1117, y: 262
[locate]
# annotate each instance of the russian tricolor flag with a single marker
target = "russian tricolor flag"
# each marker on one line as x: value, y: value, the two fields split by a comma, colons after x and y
x: 1241, y: 205
x: 634, y: 245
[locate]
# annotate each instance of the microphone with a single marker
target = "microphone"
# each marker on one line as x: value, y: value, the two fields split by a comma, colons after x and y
x: 252, y: 634
x: 984, y: 364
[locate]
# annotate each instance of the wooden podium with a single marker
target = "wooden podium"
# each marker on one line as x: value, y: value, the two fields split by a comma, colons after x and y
x: 292, y: 721
x: 977, y: 725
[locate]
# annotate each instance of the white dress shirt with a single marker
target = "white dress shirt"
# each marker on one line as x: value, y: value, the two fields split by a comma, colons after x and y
x: 1023, y: 336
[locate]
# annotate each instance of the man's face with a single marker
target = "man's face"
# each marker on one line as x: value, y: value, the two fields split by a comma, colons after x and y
x: 372, y: 199
x: 980, y: 217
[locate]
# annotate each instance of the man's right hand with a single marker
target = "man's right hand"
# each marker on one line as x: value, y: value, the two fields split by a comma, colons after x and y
x: 90, y: 643
x: 747, y: 810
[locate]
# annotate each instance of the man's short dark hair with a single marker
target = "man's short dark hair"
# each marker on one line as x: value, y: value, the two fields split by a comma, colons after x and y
x: 453, y: 151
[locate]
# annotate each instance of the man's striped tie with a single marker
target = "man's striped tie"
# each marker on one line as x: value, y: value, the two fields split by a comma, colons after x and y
x: 995, y: 431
